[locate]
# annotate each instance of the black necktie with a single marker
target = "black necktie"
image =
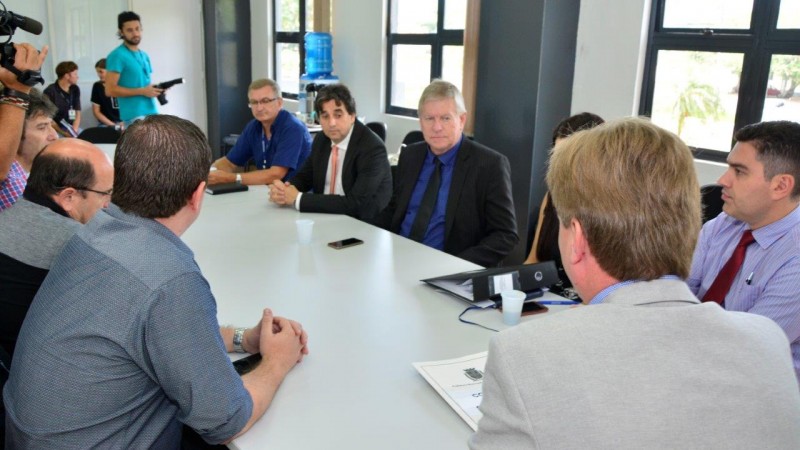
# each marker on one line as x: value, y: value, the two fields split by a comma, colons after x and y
x: 428, y: 204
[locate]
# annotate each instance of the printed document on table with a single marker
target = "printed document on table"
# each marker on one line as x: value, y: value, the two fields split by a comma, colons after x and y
x: 459, y: 381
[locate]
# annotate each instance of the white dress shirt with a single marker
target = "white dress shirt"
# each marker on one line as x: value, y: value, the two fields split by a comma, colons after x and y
x: 338, y: 188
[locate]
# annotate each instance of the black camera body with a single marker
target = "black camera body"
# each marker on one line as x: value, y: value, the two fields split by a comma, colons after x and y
x: 8, y: 24
x: 162, y: 97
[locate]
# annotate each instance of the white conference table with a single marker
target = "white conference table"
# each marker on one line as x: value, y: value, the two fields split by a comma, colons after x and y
x: 367, y: 315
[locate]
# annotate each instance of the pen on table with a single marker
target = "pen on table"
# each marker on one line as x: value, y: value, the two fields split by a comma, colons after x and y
x: 749, y: 279
x: 557, y: 302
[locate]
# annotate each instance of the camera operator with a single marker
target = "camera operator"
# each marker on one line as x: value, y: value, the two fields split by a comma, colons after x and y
x: 128, y: 72
x: 14, y: 101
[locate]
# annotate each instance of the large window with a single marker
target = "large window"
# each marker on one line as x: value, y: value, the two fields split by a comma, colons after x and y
x: 714, y: 66
x: 425, y: 41
x: 292, y: 19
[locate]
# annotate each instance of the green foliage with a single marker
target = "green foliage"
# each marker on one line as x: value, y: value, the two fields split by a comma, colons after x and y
x: 697, y: 100
x: 787, y: 67
x: 289, y: 15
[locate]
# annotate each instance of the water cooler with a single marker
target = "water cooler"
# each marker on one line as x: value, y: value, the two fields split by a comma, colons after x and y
x: 319, y: 66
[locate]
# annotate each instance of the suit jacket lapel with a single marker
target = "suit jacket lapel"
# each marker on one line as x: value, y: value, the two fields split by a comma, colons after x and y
x: 456, y: 186
x: 350, y: 157
x: 321, y: 169
x: 415, y: 160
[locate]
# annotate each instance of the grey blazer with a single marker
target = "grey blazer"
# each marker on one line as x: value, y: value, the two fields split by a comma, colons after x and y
x: 650, y: 368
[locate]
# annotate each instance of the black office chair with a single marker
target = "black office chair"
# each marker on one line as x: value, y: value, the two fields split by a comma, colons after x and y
x: 412, y: 137
x: 5, y: 368
x: 378, y: 128
x: 100, y: 135
x: 711, y: 198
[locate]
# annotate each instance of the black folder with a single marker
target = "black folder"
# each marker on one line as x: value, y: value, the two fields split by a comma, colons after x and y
x: 225, y: 188
x: 485, y: 282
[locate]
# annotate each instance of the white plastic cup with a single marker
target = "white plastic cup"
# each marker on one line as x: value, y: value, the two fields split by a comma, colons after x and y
x: 512, y: 306
x: 304, y: 228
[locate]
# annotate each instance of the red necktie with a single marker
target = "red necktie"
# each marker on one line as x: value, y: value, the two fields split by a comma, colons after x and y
x: 722, y: 284
x: 334, y: 163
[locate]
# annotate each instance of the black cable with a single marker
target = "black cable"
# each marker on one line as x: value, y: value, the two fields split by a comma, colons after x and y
x: 473, y: 323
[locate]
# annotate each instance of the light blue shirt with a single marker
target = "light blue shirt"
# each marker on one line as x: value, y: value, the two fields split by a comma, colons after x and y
x: 134, y: 71
x: 601, y: 296
x: 768, y: 283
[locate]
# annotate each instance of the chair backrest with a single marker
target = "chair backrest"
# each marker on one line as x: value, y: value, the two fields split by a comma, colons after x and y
x: 378, y: 128
x: 413, y: 137
x: 711, y: 197
x: 5, y: 369
x: 100, y: 135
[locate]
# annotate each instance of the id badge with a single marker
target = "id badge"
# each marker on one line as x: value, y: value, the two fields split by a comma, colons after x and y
x: 72, y: 114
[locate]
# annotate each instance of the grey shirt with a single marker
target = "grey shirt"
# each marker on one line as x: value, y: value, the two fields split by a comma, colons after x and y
x: 32, y: 233
x: 121, y: 345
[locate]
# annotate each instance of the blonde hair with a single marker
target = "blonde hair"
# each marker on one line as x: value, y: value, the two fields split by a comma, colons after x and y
x: 633, y: 188
x: 440, y: 90
x: 264, y: 82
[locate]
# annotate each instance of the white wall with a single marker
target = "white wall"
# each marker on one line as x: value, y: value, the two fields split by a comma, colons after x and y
x: 612, y: 39
x: 260, y: 41
x: 93, y: 39
x: 173, y: 37
x: 359, y: 55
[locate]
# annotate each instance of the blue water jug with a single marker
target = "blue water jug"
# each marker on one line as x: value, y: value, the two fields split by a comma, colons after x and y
x: 319, y: 61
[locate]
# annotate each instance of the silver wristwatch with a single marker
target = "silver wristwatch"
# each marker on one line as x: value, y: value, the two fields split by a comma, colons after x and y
x: 238, y: 335
x: 238, y: 178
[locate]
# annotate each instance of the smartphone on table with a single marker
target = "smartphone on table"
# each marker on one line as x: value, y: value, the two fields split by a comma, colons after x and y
x: 344, y: 243
x: 530, y: 307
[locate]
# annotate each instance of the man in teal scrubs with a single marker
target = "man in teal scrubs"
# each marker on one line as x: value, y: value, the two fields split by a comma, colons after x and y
x: 128, y: 72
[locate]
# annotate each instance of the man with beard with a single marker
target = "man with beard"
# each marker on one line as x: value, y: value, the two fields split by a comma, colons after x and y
x: 128, y: 72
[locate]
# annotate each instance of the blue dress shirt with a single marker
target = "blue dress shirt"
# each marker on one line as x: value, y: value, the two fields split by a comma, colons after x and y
x: 434, y: 236
x: 289, y: 146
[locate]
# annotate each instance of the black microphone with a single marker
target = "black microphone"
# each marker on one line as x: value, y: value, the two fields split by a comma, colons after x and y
x: 9, y: 19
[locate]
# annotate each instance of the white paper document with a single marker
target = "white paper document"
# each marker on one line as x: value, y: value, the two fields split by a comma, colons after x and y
x: 460, y: 382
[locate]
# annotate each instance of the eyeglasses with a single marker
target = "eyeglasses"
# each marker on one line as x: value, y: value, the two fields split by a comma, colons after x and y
x: 108, y: 192
x: 263, y: 102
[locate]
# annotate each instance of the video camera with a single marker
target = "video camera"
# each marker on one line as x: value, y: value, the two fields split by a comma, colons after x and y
x: 9, y: 22
x: 162, y: 97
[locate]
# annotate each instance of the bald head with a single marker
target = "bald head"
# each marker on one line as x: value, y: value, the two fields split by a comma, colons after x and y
x: 80, y: 149
x: 75, y: 174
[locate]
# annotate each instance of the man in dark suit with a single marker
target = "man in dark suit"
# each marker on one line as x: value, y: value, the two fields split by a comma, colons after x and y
x: 348, y: 170
x: 451, y: 193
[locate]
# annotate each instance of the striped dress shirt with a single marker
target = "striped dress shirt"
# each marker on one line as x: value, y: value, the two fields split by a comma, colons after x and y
x: 768, y: 283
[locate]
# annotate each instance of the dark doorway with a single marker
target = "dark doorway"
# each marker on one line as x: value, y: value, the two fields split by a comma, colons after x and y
x: 228, y: 68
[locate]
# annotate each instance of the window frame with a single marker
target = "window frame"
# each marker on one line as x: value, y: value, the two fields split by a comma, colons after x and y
x: 443, y: 37
x: 757, y: 45
x: 289, y: 37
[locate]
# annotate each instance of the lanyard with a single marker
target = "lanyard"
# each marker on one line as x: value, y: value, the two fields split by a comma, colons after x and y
x: 264, y: 147
x: 67, y: 96
x: 137, y: 55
